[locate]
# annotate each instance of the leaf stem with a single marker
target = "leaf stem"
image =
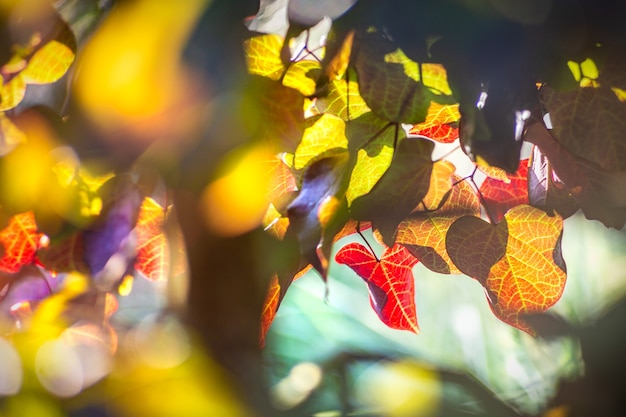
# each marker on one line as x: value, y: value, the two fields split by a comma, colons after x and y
x: 358, y: 230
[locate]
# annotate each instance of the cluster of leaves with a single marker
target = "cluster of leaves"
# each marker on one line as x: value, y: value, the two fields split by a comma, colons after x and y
x: 71, y: 237
x: 354, y: 125
x: 354, y: 165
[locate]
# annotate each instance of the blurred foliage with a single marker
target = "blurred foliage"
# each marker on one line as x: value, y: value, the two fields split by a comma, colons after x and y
x: 170, y: 172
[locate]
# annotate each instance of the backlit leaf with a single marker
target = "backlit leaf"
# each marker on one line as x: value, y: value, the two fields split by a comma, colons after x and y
x: 153, y: 255
x: 424, y: 233
x: 598, y: 192
x: 440, y: 184
x: 48, y: 64
x: 389, y: 81
x: 10, y: 135
x: 440, y: 123
x: 343, y: 100
x: 324, y: 181
x: 500, y: 196
x: 281, y: 115
x: 323, y: 135
x: 590, y: 123
x: 263, y: 58
x: 338, y: 65
x: 529, y: 278
x: 475, y: 245
x: 435, y: 77
x: 12, y: 93
x: 545, y: 188
x: 401, y: 188
x: 372, y: 140
x: 20, y: 239
x: 389, y: 280
x: 270, y: 306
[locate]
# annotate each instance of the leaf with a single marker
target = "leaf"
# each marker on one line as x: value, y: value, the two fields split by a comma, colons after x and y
x: 530, y: 277
x: 399, y: 190
x: 545, y: 189
x: 319, y: 212
x: 597, y: 191
x: 12, y: 93
x: 343, y: 100
x: 390, y: 82
x: 20, y: 239
x: 372, y: 140
x: 500, y: 196
x: 475, y: 245
x: 390, y: 282
x: 424, y: 233
x: 32, y: 283
x: 153, y: 255
x: 109, y: 235
x: 66, y: 255
x: 589, y: 122
x: 270, y: 306
x: 440, y: 184
x: 440, y: 123
x: 48, y: 64
x: 281, y: 115
x: 10, y: 135
x: 323, y: 135
x: 263, y: 58
x: 338, y: 65
x: 282, y: 180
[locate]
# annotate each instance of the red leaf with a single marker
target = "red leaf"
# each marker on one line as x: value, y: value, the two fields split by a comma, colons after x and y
x: 390, y: 282
x: 270, y: 305
x: 153, y: 248
x: 440, y: 133
x: 500, y: 196
x: 20, y: 240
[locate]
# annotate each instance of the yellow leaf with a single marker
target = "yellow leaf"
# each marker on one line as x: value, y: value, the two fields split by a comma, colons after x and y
x: 324, y: 134
x: 48, y: 64
x: 263, y: 58
x: 12, y: 93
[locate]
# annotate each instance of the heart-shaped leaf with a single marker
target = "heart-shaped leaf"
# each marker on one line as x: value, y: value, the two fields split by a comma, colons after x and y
x: 530, y: 277
x: 390, y: 282
x: 475, y: 245
x: 399, y: 190
x: 20, y: 240
x: 499, y: 196
x: 424, y: 233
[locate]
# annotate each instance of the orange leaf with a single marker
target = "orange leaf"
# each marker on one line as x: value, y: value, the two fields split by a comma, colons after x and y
x: 530, y: 277
x: 20, y: 240
x: 438, y: 123
x: 440, y: 184
x: 153, y: 249
x: 500, y: 196
x: 424, y: 233
x: 389, y: 280
x: 270, y: 306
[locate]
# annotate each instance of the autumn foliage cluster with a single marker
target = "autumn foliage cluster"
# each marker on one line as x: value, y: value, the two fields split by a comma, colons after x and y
x: 454, y: 154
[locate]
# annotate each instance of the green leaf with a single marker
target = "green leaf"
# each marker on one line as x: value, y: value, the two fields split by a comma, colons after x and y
x: 391, y: 83
x: 323, y: 134
x: 371, y: 140
x: 399, y: 190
